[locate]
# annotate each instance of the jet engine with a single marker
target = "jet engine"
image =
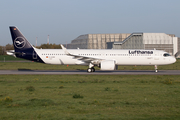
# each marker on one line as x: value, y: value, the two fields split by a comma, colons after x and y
x: 108, y: 65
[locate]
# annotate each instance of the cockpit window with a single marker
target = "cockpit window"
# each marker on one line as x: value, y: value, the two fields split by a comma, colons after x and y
x: 166, y: 55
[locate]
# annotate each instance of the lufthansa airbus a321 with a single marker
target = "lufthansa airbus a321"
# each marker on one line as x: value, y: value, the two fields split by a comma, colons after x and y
x: 104, y: 59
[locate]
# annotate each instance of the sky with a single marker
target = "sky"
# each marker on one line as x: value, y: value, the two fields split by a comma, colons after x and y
x: 65, y: 20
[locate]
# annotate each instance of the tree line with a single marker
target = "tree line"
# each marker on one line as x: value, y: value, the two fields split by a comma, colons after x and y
x: 3, y: 49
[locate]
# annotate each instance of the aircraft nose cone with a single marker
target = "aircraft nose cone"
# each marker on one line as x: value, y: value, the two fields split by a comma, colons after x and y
x: 174, y: 60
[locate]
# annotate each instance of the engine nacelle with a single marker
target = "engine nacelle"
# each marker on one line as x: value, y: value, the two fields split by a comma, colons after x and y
x: 108, y: 65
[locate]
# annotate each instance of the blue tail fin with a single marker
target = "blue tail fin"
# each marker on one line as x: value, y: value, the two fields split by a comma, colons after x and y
x: 19, y: 41
x: 23, y: 49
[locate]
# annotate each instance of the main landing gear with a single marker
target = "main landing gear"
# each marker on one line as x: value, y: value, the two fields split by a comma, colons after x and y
x: 91, y: 68
x: 156, y: 68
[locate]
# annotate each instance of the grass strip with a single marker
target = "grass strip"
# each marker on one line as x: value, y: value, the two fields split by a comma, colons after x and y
x: 89, y: 97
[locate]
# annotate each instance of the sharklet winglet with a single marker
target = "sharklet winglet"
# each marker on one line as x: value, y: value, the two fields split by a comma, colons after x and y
x: 65, y: 50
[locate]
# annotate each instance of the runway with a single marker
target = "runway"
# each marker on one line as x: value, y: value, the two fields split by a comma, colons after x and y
x: 83, y: 72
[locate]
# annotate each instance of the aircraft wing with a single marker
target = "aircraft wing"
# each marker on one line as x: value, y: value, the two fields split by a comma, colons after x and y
x: 83, y: 58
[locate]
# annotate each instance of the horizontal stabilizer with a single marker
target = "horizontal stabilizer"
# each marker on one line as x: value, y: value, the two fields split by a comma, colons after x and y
x: 11, y: 52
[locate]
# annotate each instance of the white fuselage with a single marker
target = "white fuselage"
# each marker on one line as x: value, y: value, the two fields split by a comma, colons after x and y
x: 121, y: 57
x: 104, y: 59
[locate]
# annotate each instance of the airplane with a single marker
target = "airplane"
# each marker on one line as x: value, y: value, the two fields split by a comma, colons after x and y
x: 105, y: 59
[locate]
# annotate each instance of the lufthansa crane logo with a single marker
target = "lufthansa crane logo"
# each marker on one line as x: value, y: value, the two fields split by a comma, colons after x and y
x: 20, y: 42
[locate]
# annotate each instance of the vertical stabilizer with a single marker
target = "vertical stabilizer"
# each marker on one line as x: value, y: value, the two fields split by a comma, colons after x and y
x: 19, y: 41
x: 23, y: 49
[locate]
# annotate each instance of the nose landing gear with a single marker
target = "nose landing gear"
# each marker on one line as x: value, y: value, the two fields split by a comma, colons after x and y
x: 156, y: 68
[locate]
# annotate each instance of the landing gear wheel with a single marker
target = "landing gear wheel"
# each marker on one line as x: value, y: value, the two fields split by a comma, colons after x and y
x: 92, y: 69
x: 156, y: 68
x: 89, y: 70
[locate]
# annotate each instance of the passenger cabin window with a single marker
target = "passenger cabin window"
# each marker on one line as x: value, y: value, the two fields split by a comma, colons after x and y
x: 166, y: 55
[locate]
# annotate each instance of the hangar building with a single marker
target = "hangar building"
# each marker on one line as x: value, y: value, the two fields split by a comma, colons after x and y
x: 95, y: 41
x: 159, y: 41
